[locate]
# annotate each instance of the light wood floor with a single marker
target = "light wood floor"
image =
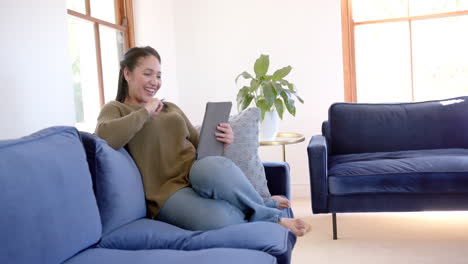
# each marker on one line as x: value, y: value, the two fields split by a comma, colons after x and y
x: 427, y: 237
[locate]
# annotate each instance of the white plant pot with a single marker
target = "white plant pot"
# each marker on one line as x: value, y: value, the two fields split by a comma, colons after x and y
x: 269, y: 126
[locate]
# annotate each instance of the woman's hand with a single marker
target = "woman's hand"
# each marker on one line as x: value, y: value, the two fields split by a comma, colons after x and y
x: 154, y: 106
x: 225, y: 135
x: 282, y: 202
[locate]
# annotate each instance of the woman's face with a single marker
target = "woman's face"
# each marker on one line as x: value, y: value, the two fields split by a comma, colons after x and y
x: 144, y: 81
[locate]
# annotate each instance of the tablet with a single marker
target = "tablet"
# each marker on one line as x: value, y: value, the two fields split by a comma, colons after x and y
x: 215, y: 113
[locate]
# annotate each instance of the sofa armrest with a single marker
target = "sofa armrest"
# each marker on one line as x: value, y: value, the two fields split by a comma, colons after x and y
x: 318, y: 159
x: 278, y: 178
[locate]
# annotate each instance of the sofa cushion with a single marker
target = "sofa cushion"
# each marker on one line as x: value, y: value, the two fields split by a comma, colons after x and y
x: 417, y: 171
x: 150, y: 234
x: 48, y: 209
x: 362, y: 128
x: 117, y: 183
x: 207, y: 256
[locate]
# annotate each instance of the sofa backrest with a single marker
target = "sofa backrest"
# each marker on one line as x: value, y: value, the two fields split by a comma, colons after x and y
x: 362, y: 128
x: 117, y: 183
x: 48, y: 209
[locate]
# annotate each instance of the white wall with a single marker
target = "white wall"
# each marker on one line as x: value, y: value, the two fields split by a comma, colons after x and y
x: 218, y: 39
x: 154, y: 26
x: 35, y: 76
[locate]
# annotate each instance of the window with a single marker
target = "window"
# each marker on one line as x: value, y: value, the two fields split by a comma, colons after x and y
x: 100, y: 31
x: 404, y: 50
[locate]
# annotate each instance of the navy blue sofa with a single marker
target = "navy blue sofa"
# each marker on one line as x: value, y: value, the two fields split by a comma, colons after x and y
x: 67, y: 197
x: 391, y: 158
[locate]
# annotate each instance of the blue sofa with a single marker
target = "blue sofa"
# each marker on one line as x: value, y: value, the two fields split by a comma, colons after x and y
x: 67, y: 197
x: 391, y: 158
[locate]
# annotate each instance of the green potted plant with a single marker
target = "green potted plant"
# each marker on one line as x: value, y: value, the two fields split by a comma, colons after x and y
x: 270, y: 93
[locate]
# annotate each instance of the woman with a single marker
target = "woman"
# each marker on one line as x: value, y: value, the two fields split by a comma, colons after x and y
x: 206, y: 194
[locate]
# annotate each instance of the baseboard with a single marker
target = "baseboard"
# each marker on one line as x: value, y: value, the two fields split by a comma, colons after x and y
x: 300, y: 190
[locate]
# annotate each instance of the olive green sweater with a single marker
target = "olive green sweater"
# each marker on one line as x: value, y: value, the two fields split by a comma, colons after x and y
x: 162, y: 146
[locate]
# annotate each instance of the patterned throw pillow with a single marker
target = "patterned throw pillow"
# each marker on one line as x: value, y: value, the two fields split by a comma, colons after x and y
x: 244, y: 150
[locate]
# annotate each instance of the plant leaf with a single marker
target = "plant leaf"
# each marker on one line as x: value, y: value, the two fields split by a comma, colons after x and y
x: 291, y: 107
x: 270, y: 94
x: 254, y: 84
x: 244, y: 74
x: 289, y: 102
x: 277, y: 87
x: 281, y: 73
x: 298, y: 97
x: 261, y: 65
x: 242, y: 97
x: 247, y: 100
x: 285, y: 95
x: 261, y: 103
x: 279, y: 107
x: 284, y: 83
x: 292, y: 87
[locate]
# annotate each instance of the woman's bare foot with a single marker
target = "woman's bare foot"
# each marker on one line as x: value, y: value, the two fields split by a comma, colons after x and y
x: 282, y: 202
x: 298, y: 226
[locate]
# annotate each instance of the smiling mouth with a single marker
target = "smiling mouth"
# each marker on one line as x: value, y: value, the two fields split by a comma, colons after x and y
x: 151, y: 90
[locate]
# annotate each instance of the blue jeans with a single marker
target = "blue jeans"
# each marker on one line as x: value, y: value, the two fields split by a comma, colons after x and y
x: 220, y: 195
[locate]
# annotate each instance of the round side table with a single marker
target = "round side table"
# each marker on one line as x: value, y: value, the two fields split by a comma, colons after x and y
x: 282, y: 139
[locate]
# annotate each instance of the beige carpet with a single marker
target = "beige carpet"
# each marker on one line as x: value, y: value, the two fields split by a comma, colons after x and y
x: 427, y: 237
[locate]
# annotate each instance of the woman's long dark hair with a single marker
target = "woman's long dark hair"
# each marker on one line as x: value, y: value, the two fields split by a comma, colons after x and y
x: 130, y: 61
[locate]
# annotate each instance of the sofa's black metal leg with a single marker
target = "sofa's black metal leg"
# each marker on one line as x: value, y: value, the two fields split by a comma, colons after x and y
x: 335, y: 236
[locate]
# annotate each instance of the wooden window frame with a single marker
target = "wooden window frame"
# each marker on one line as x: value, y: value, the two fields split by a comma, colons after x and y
x: 125, y: 24
x: 349, y: 59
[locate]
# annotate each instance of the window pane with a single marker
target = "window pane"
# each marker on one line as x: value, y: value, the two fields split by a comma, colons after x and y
x: 440, y: 58
x: 383, y: 62
x: 85, y: 79
x: 77, y: 5
x: 424, y: 7
x: 103, y: 9
x: 112, y: 46
x: 364, y: 10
